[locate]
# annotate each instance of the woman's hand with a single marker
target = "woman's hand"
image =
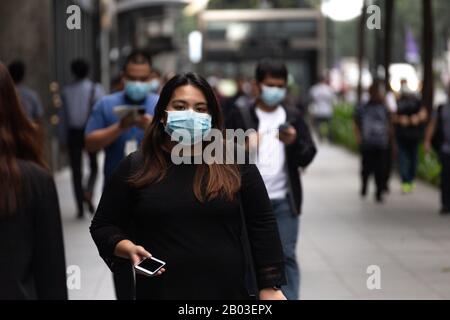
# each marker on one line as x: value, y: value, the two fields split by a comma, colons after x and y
x: 128, y: 250
x: 271, y: 294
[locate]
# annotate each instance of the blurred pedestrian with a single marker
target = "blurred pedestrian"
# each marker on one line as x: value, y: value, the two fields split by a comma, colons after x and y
x: 156, y: 81
x: 241, y: 98
x: 199, y: 235
x: 409, y: 121
x: 78, y: 100
x: 373, y: 131
x: 28, y: 98
x: 31, y: 241
x: 438, y: 137
x: 284, y: 138
x: 117, y: 125
x: 322, y: 107
x: 391, y: 104
x: 118, y: 120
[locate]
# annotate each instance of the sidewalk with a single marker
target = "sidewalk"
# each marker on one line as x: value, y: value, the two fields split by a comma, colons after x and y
x: 96, y: 279
x: 342, y: 234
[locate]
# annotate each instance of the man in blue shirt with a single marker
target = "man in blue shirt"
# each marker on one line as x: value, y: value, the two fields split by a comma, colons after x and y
x: 119, y: 120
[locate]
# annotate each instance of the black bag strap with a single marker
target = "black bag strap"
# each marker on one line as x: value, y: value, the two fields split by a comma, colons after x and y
x: 91, y: 100
x: 250, y: 274
x: 247, y: 117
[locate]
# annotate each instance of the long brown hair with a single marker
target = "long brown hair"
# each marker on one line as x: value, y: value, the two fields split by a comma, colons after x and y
x: 211, y: 180
x: 19, y: 139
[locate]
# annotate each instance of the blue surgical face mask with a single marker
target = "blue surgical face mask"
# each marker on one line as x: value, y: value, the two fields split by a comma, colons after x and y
x: 137, y: 90
x: 154, y: 85
x: 272, y: 96
x: 190, y: 125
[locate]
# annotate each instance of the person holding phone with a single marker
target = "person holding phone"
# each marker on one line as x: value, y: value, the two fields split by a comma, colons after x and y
x: 116, y: 132
x: 284, y: 145
x: 189, y: 215
x: 119, y: 134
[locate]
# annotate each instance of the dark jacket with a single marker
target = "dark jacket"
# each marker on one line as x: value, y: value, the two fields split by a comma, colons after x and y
x: 299, y: 154
x: 32, y: 262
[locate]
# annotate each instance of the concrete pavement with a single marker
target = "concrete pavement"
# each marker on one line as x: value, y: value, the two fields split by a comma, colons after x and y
x: 342, y: 234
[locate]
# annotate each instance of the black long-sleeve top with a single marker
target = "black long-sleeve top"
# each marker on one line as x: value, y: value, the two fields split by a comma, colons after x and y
x: 200, y: 242
x: 32, y: 261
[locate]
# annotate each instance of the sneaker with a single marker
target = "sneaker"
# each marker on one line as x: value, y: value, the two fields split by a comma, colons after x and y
x: 406, y: 188
x: 88, y: 201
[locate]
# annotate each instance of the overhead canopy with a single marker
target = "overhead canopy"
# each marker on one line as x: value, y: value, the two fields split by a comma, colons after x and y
x: 127, y: 5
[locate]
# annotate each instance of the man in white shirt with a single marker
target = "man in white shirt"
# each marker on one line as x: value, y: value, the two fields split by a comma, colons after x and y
x: 284, y: 145
x: 323, y: 100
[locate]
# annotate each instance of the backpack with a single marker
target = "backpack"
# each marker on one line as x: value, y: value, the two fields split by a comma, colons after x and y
x: 375, y: 125
x: 438, y: 136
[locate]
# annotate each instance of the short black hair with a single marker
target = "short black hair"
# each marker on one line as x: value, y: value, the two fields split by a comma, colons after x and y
x: 17, y: 70
x: 269, y: 67
x: 80, y: 68
x: 138, y: 57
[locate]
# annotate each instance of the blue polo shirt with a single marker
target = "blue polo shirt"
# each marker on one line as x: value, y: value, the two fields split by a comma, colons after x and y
x: 103, y: 116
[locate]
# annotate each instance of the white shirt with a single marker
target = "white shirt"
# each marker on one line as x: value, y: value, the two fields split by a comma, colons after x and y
x: 391, y: 102
x: 323, y: 100
x: 271, y: 158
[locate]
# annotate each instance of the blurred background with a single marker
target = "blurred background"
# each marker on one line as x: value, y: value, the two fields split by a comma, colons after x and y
x: 351, y: 42
x: 224, y: 39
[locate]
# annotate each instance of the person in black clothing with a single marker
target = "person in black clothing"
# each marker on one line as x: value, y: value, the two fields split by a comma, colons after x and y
x: 241, y: 98
x: 78, y: 101
x: 284, y: 139
x: 409, y: 123
x: 372, y: 131
x: 189, y: 215
x: 32, y: 263
x: 438, y: 137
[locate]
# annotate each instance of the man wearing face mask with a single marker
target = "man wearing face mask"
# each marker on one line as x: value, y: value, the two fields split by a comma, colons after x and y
x: 119, y: 136
x: 155, y: 83
x: 284, y: 145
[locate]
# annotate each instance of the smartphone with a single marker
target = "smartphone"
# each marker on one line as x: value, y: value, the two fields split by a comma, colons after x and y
x: 149, y: 266
x: 284, y: 126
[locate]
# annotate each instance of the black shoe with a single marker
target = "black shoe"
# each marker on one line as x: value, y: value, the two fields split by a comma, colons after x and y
x: 364, y: 190
x: 88, y: 201
x: 379, y: 197
x: 445, y: 211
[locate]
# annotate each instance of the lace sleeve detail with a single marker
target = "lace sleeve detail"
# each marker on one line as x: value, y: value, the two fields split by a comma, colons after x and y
x: 271, y: 276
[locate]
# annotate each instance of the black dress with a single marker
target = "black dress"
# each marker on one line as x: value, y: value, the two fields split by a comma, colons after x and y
x: 32, y: 262
x: 200, y: 242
